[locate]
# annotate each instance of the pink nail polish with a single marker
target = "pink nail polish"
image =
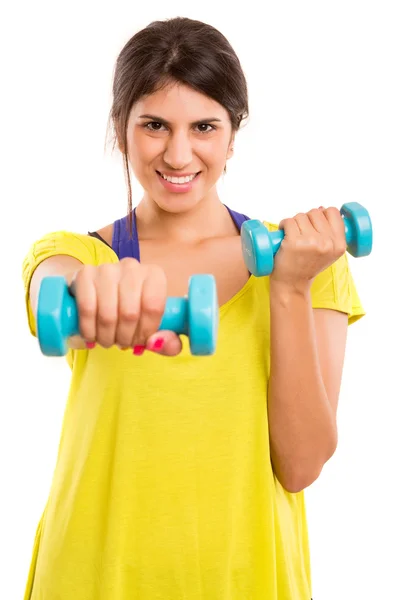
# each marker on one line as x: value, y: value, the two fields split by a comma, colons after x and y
x: 138, y: 350
x: 90, y: 345
x: 157, y: 344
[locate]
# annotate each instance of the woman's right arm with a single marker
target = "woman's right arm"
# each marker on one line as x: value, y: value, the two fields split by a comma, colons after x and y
x: 63, y: 265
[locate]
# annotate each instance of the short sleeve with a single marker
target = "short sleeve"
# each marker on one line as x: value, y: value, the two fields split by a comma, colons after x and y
x: 335, y: 288
x: 88, y: 250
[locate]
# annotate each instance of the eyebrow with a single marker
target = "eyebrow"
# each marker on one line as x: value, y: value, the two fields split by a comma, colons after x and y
x: 165, y: 122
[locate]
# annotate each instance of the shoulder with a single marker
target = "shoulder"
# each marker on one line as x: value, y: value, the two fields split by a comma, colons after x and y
x: 68, y: 240
x: 106, y: 233
x: 85, y: 248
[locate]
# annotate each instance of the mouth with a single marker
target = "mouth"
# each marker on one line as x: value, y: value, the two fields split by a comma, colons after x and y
x: 178, y: 185
x: 182, y: 180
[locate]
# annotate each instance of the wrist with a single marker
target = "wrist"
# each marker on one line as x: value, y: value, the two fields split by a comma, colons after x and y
x: 286, y: 289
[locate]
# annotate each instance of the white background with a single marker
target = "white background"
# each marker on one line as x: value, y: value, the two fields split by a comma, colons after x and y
x: 324, y: 129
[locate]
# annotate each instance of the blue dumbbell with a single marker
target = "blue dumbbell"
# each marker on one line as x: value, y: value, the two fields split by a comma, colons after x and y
x: 196, y: 316
x: 259, y: 245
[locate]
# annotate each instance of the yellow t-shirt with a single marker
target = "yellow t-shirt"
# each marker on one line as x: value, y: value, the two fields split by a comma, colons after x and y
x: 163, y: 486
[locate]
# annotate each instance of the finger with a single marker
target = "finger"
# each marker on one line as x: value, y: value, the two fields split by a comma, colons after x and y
x: 166, y: 343
x: 107, y: 304
x: 153, y: 301
x: 336, y: 223
x: 289, y: 227
x: 319, y: 221
x: 83, y: 289
x: 129, y: 294
x: 304, y: 224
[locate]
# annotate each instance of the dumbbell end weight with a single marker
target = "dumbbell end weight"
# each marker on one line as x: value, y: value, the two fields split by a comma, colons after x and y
x: 203, y: 314
x: 57, y: 317
x: 196, y: 316
x: 258, y: 247
x: 358, y: 228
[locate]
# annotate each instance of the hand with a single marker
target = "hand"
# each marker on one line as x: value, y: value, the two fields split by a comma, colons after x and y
x: 312, y: 242
x: 122, y: 304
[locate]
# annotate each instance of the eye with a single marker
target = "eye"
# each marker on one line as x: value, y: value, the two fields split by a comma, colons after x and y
x: 152, y: 128
x: 200, y: 125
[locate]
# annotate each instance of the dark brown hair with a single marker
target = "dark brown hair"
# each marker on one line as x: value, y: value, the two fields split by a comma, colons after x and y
x: 182, y: 50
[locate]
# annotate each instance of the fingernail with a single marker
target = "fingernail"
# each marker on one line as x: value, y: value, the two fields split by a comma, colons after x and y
x: 138, y: 350
x: 157, y: 344
x: 90, y: 345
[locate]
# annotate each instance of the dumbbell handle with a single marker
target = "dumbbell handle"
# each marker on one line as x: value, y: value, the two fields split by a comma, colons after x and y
x: 276, y: 237
x: 175, y: 317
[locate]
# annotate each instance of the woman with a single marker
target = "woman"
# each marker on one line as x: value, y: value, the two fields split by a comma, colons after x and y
x: 181, y: 476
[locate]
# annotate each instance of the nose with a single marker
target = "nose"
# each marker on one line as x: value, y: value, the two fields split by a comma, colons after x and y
x: 178, y: 152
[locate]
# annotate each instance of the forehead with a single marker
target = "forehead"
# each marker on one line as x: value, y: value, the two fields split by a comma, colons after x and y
x: 179, y: 102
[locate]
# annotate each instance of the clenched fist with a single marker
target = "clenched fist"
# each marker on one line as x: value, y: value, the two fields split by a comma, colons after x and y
x: 123, y: 304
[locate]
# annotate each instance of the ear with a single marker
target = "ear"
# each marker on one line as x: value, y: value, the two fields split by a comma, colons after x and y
x: 120, y: 144
x: 118, y: 137
x: 231, y: 148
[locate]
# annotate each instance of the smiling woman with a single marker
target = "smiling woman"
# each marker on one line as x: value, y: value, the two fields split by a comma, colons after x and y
x: 179, y: 476
x: 197, y: 79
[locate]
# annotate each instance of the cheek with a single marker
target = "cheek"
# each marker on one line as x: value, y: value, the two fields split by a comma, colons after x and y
x: 213, y: 153
x: 143, y: 149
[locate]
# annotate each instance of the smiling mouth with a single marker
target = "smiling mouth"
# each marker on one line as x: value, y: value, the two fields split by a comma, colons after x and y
x: 178, y: 180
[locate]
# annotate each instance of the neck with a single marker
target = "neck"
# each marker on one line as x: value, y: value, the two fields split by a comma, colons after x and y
x: 208, y: 219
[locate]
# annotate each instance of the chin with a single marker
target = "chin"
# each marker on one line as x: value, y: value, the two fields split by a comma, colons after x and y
x: 177, y: 203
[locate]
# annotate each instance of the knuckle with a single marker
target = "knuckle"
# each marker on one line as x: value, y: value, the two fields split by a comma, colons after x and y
x: 333, y: 210
x: 130, y: 314
x: 109, y: 273
x: 153, y: 308
x: 106, y: 319
x: 325, y: 246
x: 314, y: 212
x: 84, y: 272
x: 106, y: 268
x: 129, y: 263
x: 86, y: 309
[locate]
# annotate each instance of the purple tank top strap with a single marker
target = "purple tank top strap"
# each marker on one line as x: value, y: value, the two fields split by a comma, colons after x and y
x: 123, y: 245
x: 237, y: 218
x: 126, y: 246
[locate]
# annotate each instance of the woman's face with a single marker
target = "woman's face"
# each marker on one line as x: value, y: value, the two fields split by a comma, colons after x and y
x: 178, y: 143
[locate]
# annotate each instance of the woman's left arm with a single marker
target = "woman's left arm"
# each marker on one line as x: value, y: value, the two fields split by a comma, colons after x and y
x: 307, y: 348
x: 307, y: 356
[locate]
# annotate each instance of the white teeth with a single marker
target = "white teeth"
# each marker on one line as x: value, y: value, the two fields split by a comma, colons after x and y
x: 178, y: 179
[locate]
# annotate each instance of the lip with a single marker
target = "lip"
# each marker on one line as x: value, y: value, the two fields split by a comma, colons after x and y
x: 179, y: 188
x: 175, y: 174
